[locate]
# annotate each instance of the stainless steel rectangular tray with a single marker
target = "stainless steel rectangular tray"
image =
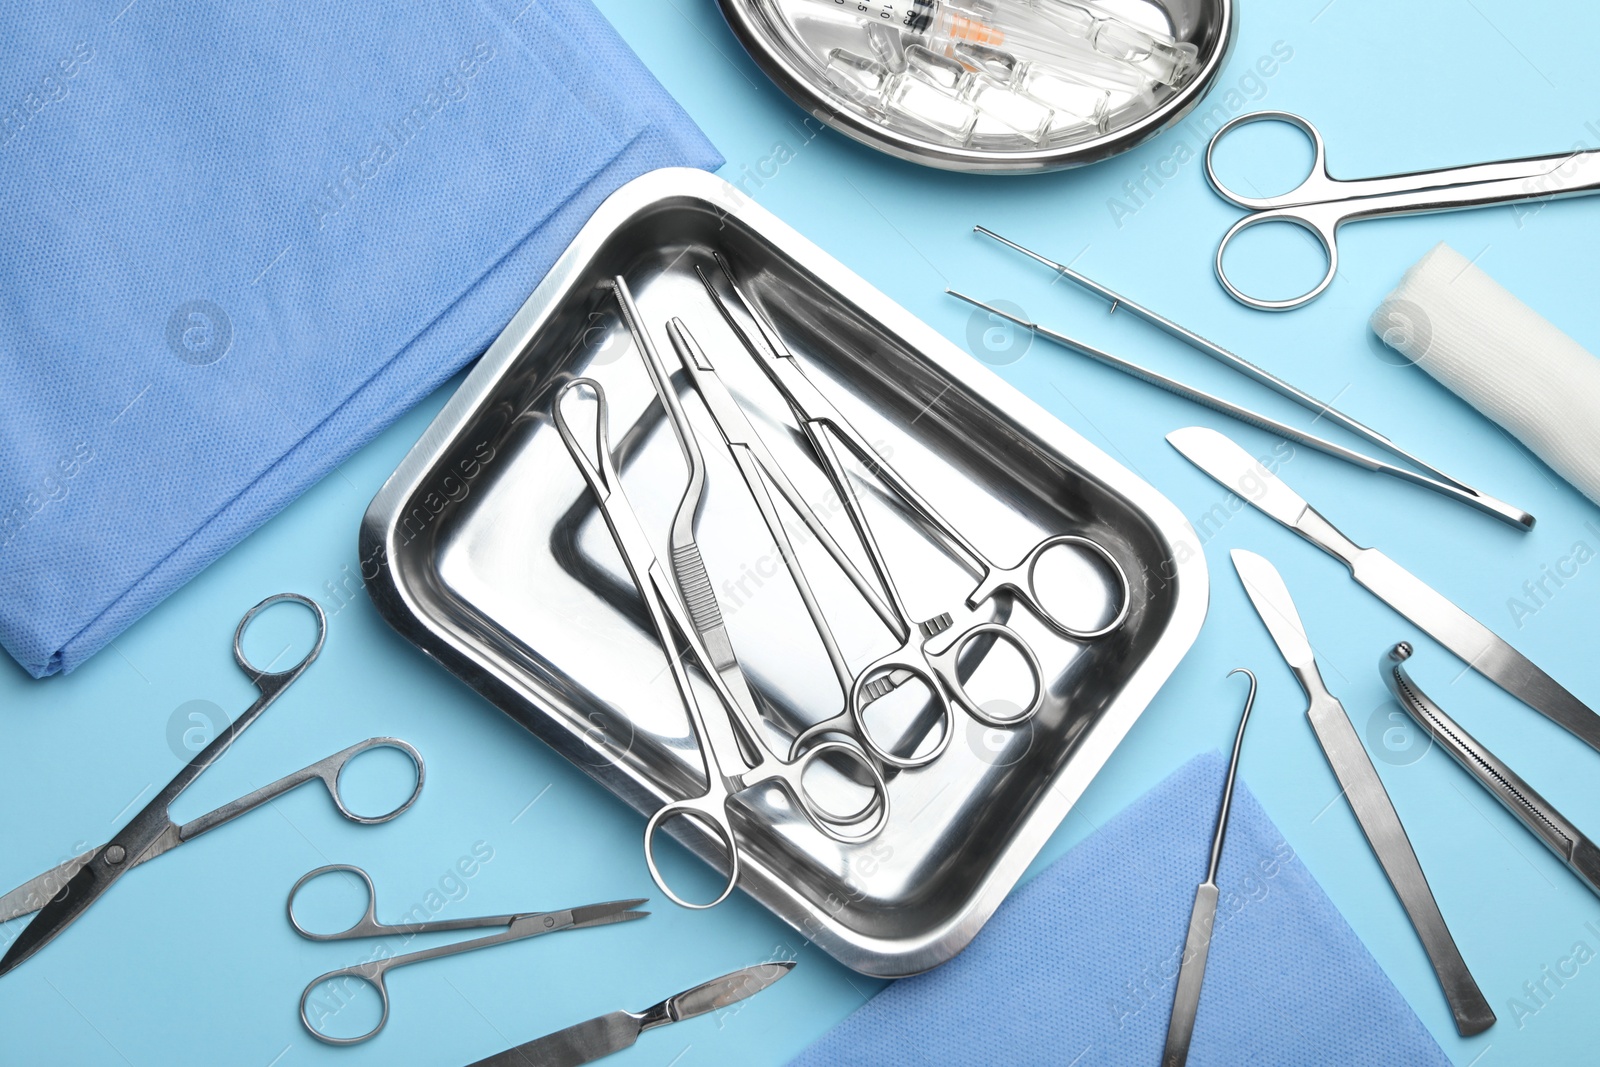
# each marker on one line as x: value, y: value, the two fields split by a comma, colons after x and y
x: 494, y: 560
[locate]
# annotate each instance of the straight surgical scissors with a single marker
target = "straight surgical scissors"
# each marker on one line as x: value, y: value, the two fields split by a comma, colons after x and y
x: 373, y: 972
x: 720, y: 737
x: 1321, y: 203
x: 821, y: 422
x: 33, y: 894
x: 152, y: 831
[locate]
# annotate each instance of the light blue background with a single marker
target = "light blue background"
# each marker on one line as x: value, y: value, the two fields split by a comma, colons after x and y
x: 190, y: 960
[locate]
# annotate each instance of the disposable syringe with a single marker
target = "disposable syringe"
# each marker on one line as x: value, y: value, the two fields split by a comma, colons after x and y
x: 1074, y: 35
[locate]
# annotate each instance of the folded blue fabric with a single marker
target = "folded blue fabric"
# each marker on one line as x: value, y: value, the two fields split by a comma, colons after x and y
x: 237, y: 240
x: 1078, y: 966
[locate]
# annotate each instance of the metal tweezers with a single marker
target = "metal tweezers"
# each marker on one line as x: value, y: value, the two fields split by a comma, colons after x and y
x: 1426, y: 474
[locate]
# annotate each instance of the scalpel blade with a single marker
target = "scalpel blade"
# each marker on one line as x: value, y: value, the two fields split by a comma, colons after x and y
x: 581, y: 1043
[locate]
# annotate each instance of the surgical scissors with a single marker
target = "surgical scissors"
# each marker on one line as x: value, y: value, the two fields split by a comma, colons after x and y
x: 33, y: 894
x: 1321, y: 203
x: 821, y: 421
x: 728, y: 773
x: 152, y: 830
x: 374, y: 972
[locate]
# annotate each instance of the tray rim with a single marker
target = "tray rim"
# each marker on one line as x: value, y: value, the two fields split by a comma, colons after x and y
x: 792, y: 81
x: 405, y: 610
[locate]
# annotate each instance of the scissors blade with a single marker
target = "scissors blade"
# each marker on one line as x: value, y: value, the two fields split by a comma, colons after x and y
x: 616, y: 911
x: 83, y: 889
x: 33, y: 894
x: 36, y: 892
x: 147, y: 834
x: 550, y: 922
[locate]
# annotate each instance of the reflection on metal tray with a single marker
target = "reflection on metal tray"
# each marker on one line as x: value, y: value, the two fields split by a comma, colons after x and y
x: 495, y: 561
x: 991, y: 85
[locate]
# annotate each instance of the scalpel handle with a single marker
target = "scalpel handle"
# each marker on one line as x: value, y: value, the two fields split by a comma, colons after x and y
x: 1381, y: 825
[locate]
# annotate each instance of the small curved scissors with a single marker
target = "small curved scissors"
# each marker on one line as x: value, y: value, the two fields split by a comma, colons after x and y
x: 1321, y: 203
x: 372, y: 973
x: 152, y: 831
x: 726, y: 734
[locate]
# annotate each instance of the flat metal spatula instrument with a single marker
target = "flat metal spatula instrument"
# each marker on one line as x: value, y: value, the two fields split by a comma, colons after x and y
x: 1364, y: 791
x: 1480, y: 647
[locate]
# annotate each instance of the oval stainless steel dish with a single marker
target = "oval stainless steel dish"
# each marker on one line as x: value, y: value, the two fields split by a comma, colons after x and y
x: 797, y: 58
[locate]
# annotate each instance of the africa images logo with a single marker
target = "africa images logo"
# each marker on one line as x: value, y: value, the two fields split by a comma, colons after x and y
x: 199, y: 332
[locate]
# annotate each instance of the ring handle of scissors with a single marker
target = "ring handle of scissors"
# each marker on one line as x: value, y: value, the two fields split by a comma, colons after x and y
x: 366, y: 926
x: 269, y: 681
x: 846, y: 724
x: 371, y: 974
x: 1318, y: 194
x: 1303, y: 217
x: 875, y: 813
x: 945, y: 665
x: 331, y: 771
x: 1021, y: 580
x: 900, y: 660
x: 709, y: 812
x: 1317, y: 186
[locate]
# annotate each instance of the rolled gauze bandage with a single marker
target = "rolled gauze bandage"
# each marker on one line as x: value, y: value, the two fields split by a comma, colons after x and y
x: 1502, y: 357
